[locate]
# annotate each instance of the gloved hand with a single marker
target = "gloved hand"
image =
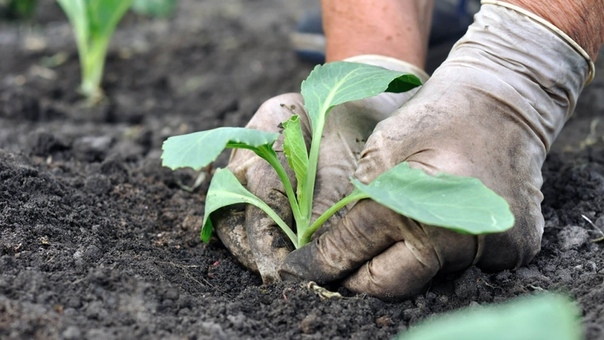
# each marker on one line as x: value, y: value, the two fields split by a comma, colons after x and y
x: 247, y: 231
x: 490, y: 111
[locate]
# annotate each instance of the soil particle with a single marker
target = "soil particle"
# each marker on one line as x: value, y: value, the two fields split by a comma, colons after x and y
x: 572, y: 237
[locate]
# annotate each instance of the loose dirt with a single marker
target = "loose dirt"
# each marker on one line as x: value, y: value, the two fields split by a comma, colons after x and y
x: 98, y: 241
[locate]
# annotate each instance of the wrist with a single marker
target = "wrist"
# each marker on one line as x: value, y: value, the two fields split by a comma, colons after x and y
x: 512, y: 57
x: 581, y: 20
x: 394, y: 28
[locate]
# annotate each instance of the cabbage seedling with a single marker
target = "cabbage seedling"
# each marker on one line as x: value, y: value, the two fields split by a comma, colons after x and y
x: 93, y: 23
x: 463, y: 204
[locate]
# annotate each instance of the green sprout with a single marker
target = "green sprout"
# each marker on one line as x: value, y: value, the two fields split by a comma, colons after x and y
x: 462, y: 204
x: 93, y: 22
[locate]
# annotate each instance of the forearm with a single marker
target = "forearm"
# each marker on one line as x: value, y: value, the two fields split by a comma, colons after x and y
x: 394, y: 28
x: 582, y: 20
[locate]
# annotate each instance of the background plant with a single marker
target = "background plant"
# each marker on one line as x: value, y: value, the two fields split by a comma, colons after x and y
x: 94, y: 22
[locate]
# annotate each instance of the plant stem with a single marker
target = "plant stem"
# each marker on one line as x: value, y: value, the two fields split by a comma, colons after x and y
x: 307, y: 195
x: 272, y: 159
x: 272, y: 214
x: 92, y: 63
x: 304, y: 237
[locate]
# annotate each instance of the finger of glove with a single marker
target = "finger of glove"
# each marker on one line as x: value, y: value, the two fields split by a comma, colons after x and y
x: 396, y: 273
x: 268, y: 244
x: 231, y: 223
x: 408, y: 266
x: 379, y: 252
x: 366, y: 231
x: 249, y: 233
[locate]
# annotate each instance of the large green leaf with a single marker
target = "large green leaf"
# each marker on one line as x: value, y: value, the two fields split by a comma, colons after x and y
x: 339, y: 82
x: 226, y: 190
x: 295, y: 150
x: 462, y: 204
x: 199, y: 149
x: 542, y: 317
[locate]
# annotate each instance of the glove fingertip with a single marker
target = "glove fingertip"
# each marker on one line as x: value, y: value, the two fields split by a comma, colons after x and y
x: 229, y: 225
x: 297, y: 265
x: 306, y: 264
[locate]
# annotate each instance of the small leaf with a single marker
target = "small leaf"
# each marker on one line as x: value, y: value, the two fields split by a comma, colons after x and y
x: 404, y: 83
x: 462, y: 204
x: 154, y: 8
x: 295, y: 150
x: 226, y: 190
x: 199, y: 149
x: 541, y: 317
x: 339, y: 82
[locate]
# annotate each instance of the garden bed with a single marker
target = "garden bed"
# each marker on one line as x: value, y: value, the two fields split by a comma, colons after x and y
x: 98, y: 241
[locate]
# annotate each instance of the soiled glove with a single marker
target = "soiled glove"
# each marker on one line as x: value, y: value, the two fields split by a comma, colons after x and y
x: 490, y: 111
x: 248, y: 232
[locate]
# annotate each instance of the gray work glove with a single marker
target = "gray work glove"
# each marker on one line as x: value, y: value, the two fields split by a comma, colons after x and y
x: 490, y: 111
x: 248, y: 232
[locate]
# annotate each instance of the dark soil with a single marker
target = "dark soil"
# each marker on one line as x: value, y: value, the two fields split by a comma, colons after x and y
x: 98, y: 241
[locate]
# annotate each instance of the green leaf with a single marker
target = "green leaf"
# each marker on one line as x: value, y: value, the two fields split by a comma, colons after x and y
x: 154, y: 8
x: 104, y: 15
x: 295, y: 150
x: 338, y: 82
x: 404, y: 83
x: 199, y: 149
x: 541, y: 317
x: 226, y: 190
x: 462, y: 204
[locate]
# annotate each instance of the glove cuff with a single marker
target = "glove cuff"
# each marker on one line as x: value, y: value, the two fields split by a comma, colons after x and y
x: 551, y: 27
x: 390, y: 63
x: 522, y: 64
